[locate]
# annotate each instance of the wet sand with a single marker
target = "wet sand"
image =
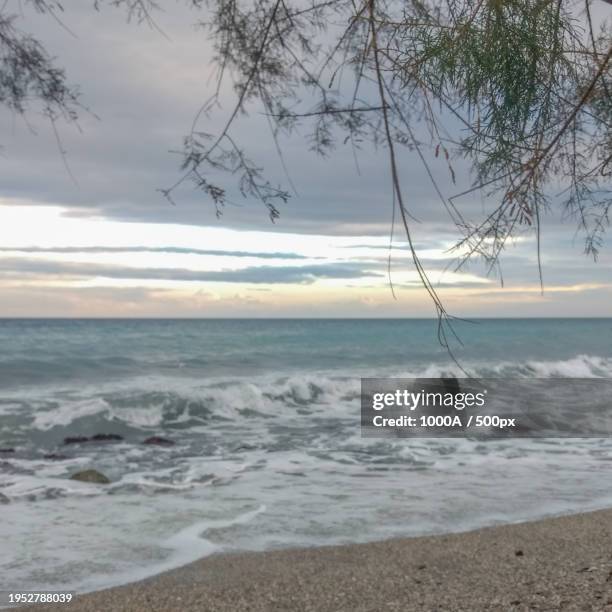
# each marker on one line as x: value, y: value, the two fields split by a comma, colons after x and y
x: 555, y: 564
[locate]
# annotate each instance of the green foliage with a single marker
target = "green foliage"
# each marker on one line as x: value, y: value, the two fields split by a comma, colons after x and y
x: 526, y: 81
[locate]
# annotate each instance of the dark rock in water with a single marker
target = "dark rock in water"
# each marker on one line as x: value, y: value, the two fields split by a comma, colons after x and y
x: 4, y: 499
x: 96, y: 438
x: 451, y: 385
x: 105, y: 438
x: 7, y: 450
x: 90, y: 476
x: 75, y: 440
x: 444, y: 387
x: 438, y: 385
x: 158, y: 441
x: 439, y: 397
x: 56, y: 456
x: 518, y: 553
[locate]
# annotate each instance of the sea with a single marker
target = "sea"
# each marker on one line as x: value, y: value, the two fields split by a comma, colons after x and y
x: 264, y: 417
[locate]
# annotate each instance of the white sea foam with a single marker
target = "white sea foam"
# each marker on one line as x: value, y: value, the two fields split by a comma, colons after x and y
x: 146, y: 417
x: 581, y: 366
x: 37, y: 488
x: 181, y: 401
x: 288, y: 442
x: 69, y: 411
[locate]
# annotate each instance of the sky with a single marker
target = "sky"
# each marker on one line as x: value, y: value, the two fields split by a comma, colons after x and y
x: 87, y: 234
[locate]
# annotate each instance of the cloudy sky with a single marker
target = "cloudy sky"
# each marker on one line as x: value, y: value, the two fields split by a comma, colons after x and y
x: 99, y: 240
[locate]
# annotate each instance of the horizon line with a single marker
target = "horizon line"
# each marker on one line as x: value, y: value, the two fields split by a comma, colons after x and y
x: 464, y: 319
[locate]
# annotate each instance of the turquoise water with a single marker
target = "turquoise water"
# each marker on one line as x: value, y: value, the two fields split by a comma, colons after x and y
x: 264, y: 416
x: 57, y: 351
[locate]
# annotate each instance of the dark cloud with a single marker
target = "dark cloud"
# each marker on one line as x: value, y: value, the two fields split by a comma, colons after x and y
x: 143, y: 249
x: 11, y: 267
x: 145, y: 90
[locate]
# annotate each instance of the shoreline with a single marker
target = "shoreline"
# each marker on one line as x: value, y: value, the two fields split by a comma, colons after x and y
x: 549, y: 564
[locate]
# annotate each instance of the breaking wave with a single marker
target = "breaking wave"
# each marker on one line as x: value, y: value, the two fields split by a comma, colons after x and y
x: 148, y: 404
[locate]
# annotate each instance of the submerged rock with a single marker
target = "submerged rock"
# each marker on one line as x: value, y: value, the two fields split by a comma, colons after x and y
x: 158, y: 441
x: 75, y: 440
x: 90, y: 476
x: 56, y: 456
x: 7, y: 450
x: 443, y: 385
x: 4, y: 499
x: 101, y: 437
x: 106, y: 438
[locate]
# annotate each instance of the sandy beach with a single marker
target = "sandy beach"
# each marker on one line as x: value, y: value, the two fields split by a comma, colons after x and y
x: 561, y: 563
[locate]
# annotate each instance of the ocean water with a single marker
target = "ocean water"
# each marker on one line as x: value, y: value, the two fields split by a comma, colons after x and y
x: 268, y: 452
